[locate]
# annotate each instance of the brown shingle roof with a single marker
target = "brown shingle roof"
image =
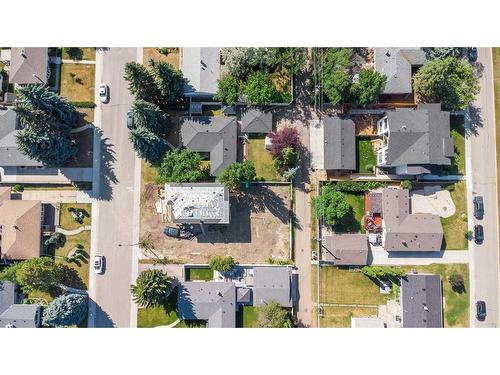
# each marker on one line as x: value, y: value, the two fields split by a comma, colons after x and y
x: 20, y: 222
x: 345, y: 249
x: 404, y: 231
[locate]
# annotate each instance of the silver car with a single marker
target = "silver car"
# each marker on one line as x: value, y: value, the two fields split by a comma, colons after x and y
x: 130, y: 119
x: 98, y: 264
x: 103, y: 93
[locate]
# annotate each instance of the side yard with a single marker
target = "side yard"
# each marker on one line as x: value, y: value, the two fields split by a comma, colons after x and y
x: 457, y: 131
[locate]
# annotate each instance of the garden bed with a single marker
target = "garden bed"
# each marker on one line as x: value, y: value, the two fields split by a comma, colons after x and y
x: 66, y: 220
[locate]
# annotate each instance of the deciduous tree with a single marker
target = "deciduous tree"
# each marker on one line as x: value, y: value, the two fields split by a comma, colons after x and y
x: 228, y: 89
x: 34, y: 274
x: 368, y: 88
x: 180, y: 166
x: 331, y: 206
x: 221, y: 263
x: 236, y: 174
x: 283, y: 138
x: 272, y: 315
x: 260, y: 89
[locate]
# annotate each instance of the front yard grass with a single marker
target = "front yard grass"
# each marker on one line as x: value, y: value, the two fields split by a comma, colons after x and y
x: 78, y: 276
x: 77, y: 82
x: 154, y: 317
x: 84, y: 141
x: 66, y: 220
x: 201, y: 274
x: 262, y: 159
x: 455, y: 227
x: 456, y: 305
x: 247, y: 317
x: 86, y: 53
x: 457, y: 131
x: 366, y: 158
x: 152, y: 53
x: 353, y: 221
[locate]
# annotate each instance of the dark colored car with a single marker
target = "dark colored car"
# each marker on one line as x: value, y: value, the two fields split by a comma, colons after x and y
x: 172, y: 232
x: 478, y: 207
x: 130, y: 119
x: 472, y: 54
x: 478, y: 234
x: 481, y: 310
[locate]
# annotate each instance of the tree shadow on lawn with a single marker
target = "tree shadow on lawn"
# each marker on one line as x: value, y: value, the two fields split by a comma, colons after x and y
x: 71, y: 278
x: 349, y: 224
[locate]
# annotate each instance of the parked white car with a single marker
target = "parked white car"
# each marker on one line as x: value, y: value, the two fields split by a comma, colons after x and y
x: 103, y: 93
x: 98, y: 264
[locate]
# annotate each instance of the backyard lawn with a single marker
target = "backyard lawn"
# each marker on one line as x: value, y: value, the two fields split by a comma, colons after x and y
x: 81, y: 53
x: 152, y: 53
x: 155, y: 316
x: 262, y: 160
x: 247, y: 317
x: 457, y: 131
x: 455, y: 227
x: 202, y: 274
x: 353, y: 222
x: 340, y: 316
x: 66, y: 220
x: 366, y: 157
x: 339, y: 285
x: 77, y: 82
x: 456, y: 305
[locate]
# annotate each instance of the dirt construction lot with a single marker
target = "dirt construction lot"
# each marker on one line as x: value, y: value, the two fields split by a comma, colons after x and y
x: 258, y: 229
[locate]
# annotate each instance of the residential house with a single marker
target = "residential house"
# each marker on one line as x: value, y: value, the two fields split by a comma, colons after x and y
x: 28, y: 65
x: 421, y: 301
x: 415, y: 141
x: 12, y: 312
x: 197, y: 203
x: 256, y: 121
x: 214, y: 302
x: 218, y: 301
x: 398, y: 65
x: 201, y: 68
x: 367, y: 323
x: 20, y: 227
x: 215, y: 136
x: 333, y: 144
x: 407, y: 231
x: 346, y: 249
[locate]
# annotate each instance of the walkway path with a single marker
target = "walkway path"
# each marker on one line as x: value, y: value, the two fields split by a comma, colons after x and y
x: 69, y: 61
x: 171, y: 325
x: 74, y: 231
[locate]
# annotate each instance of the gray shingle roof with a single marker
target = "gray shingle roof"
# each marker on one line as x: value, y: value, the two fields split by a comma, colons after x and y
x: 21, y: 316
x: 419, y: 137
x: 339, y: 144
x: 421, y: 301
x: 345, y: 249
x: 404, y: 231
x: 216, y: 135
x: 396, y: 64
x: 25, y: 62
x: 255, y: 120
x: 272, y: 284
x: 8, y: 295
x: 10, y: 155
x: 201, y: 68
x: 214, y: 302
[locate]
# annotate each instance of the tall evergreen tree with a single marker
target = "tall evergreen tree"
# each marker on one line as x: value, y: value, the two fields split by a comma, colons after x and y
x: 169, y: 82
x: 65, y: 310
x: 51, y: 149
x: 150, y: 116
x: 141, y: 82
x: 148, y: 145
x: 39, y: 97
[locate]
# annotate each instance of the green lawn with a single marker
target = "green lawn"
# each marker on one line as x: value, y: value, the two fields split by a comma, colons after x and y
x: 456, y: 305
x: 77, y: 82
x: 155, y: 316
x: 455, y: 227
x: 457, y: 132
x: 339, y: 285
x: 262, y: 160
x: 83, y: 53
x: 353, y: 222
x: 366, y: 157
x: 66, y: 220
x: 340, y: 316
x: 191, y: 324
x: 77, y: 275
x: 205, y: 274
x: 247, y: 317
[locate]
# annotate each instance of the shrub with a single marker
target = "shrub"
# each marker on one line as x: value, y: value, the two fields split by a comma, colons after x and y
x: 457, y: 282
x: 71, y: 209
x: 83, y: 104
x: 236, y: 174
x: 18, y: 188
x: 406, y: 184
x: 382, y: 272
x: 272, y: 315
x: 221, y: 263
x: 356, y: 186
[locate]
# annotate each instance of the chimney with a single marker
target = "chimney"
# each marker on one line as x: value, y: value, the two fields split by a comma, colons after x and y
x: 219, y: 293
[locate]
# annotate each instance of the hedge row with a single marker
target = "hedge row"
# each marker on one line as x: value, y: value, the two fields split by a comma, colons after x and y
x: 86, y: 104
x: 356, y: 186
